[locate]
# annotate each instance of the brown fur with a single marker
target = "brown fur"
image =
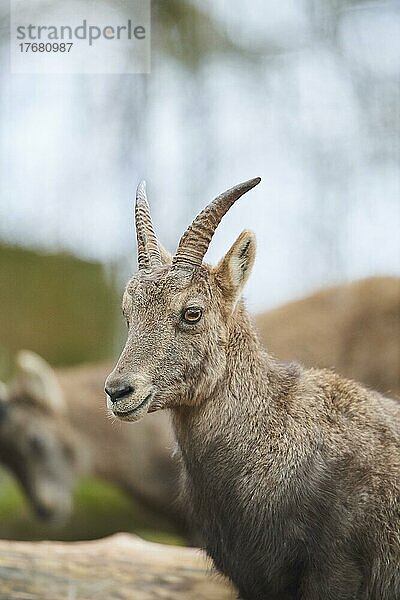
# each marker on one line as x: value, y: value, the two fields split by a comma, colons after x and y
x: 293, y: 474
x: 352, y: 328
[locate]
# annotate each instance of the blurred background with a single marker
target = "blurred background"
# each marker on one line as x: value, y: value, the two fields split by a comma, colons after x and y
x: 304, y: 93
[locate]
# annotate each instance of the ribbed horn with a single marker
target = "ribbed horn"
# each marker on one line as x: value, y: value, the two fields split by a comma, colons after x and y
x: 143, y: 259
x: 195, y: 241
x: 148, y: 251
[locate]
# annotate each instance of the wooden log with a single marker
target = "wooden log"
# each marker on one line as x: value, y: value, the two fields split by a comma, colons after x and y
x: 120, y: 567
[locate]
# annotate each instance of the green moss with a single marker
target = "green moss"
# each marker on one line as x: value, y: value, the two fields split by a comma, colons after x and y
x: 57, y: 305
x: 11, y: 499
x: 100, y: 509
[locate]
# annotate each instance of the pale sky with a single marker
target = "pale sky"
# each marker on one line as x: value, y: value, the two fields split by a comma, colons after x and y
x: 312, y: 122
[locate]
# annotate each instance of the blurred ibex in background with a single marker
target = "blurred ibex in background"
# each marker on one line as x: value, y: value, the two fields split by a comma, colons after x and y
x: 37, y: 443
x: 353, y: 329
x: 293, y: 475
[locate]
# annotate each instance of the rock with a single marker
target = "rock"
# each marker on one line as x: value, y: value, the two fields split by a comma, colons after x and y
x: 120, y: 567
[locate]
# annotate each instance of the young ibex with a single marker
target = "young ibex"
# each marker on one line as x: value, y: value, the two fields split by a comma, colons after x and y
x: 293, y: 475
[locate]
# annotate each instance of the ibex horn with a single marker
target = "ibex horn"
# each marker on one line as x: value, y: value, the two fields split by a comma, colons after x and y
x: 195, y: 241
x: 147, y: 245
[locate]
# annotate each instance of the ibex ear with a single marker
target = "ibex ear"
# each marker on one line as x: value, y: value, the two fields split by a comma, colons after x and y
x: 234, y: 269
x: 38, y: 381
x: 3, y: 392
x: 166, y: 257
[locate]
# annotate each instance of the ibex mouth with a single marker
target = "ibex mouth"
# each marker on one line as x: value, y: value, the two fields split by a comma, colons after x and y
x: 135, y: 413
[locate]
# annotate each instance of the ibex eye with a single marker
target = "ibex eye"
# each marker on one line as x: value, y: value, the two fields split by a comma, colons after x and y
x: 192, y: 315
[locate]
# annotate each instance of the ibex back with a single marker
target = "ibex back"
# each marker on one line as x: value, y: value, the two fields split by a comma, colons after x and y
x: 293, y: 475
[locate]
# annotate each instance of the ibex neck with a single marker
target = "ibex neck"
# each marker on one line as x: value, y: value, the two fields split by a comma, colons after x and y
x: 245, y: 391
x: 248, y: 364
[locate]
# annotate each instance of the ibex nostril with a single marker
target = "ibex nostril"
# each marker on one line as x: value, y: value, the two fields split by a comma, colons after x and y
x: 119, y: 393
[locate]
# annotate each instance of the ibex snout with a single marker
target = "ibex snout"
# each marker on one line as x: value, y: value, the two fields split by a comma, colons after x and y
x: 128, y: 399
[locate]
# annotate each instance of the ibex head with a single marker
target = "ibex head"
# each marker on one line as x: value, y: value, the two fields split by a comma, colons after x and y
x: 178, y: 311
